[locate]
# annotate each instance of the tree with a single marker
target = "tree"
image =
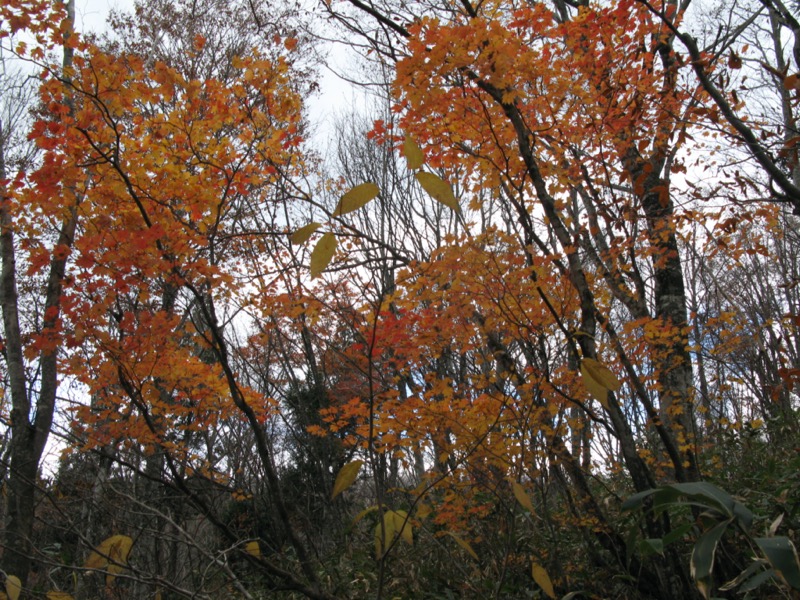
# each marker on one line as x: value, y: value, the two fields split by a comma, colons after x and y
x: 579, y: 114
x: 31, y: 353
x: 169, y: 174
x: 437, y: 364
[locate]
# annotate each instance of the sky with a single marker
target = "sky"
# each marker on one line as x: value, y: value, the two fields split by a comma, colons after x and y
x: 91, y: 14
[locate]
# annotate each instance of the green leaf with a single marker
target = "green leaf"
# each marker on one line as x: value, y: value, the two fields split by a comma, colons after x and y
x: 302, y: 235
x: 707, y: 494
x: 757, y: 581
x: 757, y: 566
x: 413, y: 153
x: 702, y: 562
x: 464, y: 544
x: 322, y: 254
x: 637, y: 500
x: 782, y: 555
x: 542, y: 579
x: 522, y: 497
x: 743, y: 515
x: 668, y: 496
x: 347, y: 475
x: 651, y: 546
x: 356, y: 198
x: 702, y: 490
x: 437, y: 189
x: 678, y: 533
x: 699, y: 493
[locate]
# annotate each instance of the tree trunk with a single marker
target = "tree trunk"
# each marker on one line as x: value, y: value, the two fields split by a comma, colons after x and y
x: 30, y: 424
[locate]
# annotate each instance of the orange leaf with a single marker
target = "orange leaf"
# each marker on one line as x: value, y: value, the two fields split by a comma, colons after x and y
x: 542, y: 579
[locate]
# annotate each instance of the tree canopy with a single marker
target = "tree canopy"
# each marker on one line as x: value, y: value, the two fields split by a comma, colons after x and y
x: 527, y: 327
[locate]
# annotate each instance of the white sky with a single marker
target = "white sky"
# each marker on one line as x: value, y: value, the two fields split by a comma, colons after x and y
x: 91, y: 14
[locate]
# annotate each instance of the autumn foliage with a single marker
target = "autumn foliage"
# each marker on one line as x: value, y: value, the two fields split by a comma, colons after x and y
x: 512, y: 342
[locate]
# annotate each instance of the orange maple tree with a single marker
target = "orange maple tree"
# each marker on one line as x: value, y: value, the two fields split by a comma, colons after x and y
x: 155, y: 184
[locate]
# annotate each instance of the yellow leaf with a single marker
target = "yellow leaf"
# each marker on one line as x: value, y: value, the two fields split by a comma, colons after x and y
x: 302, y: 235
x: 253, y: 548
x: 423, y: 510
x: 542, y: 579
x: 413, y: 154
x: 595, y: 389
x: 598, y: 379
x: 437, y: 188
x: 395, y: 523
x: 464, y: 544
x: 356, y: 198
x: 322, y: 254
x: 347, y: 475
x: 56, y: 595
x: 364, y: 513
x: 522, y: 497
x: 112, y: 551
x: 402, y: 525
x: 602, y: 374
x: 114, y: 569
x: 13, y: 587
x: 384, y: 535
